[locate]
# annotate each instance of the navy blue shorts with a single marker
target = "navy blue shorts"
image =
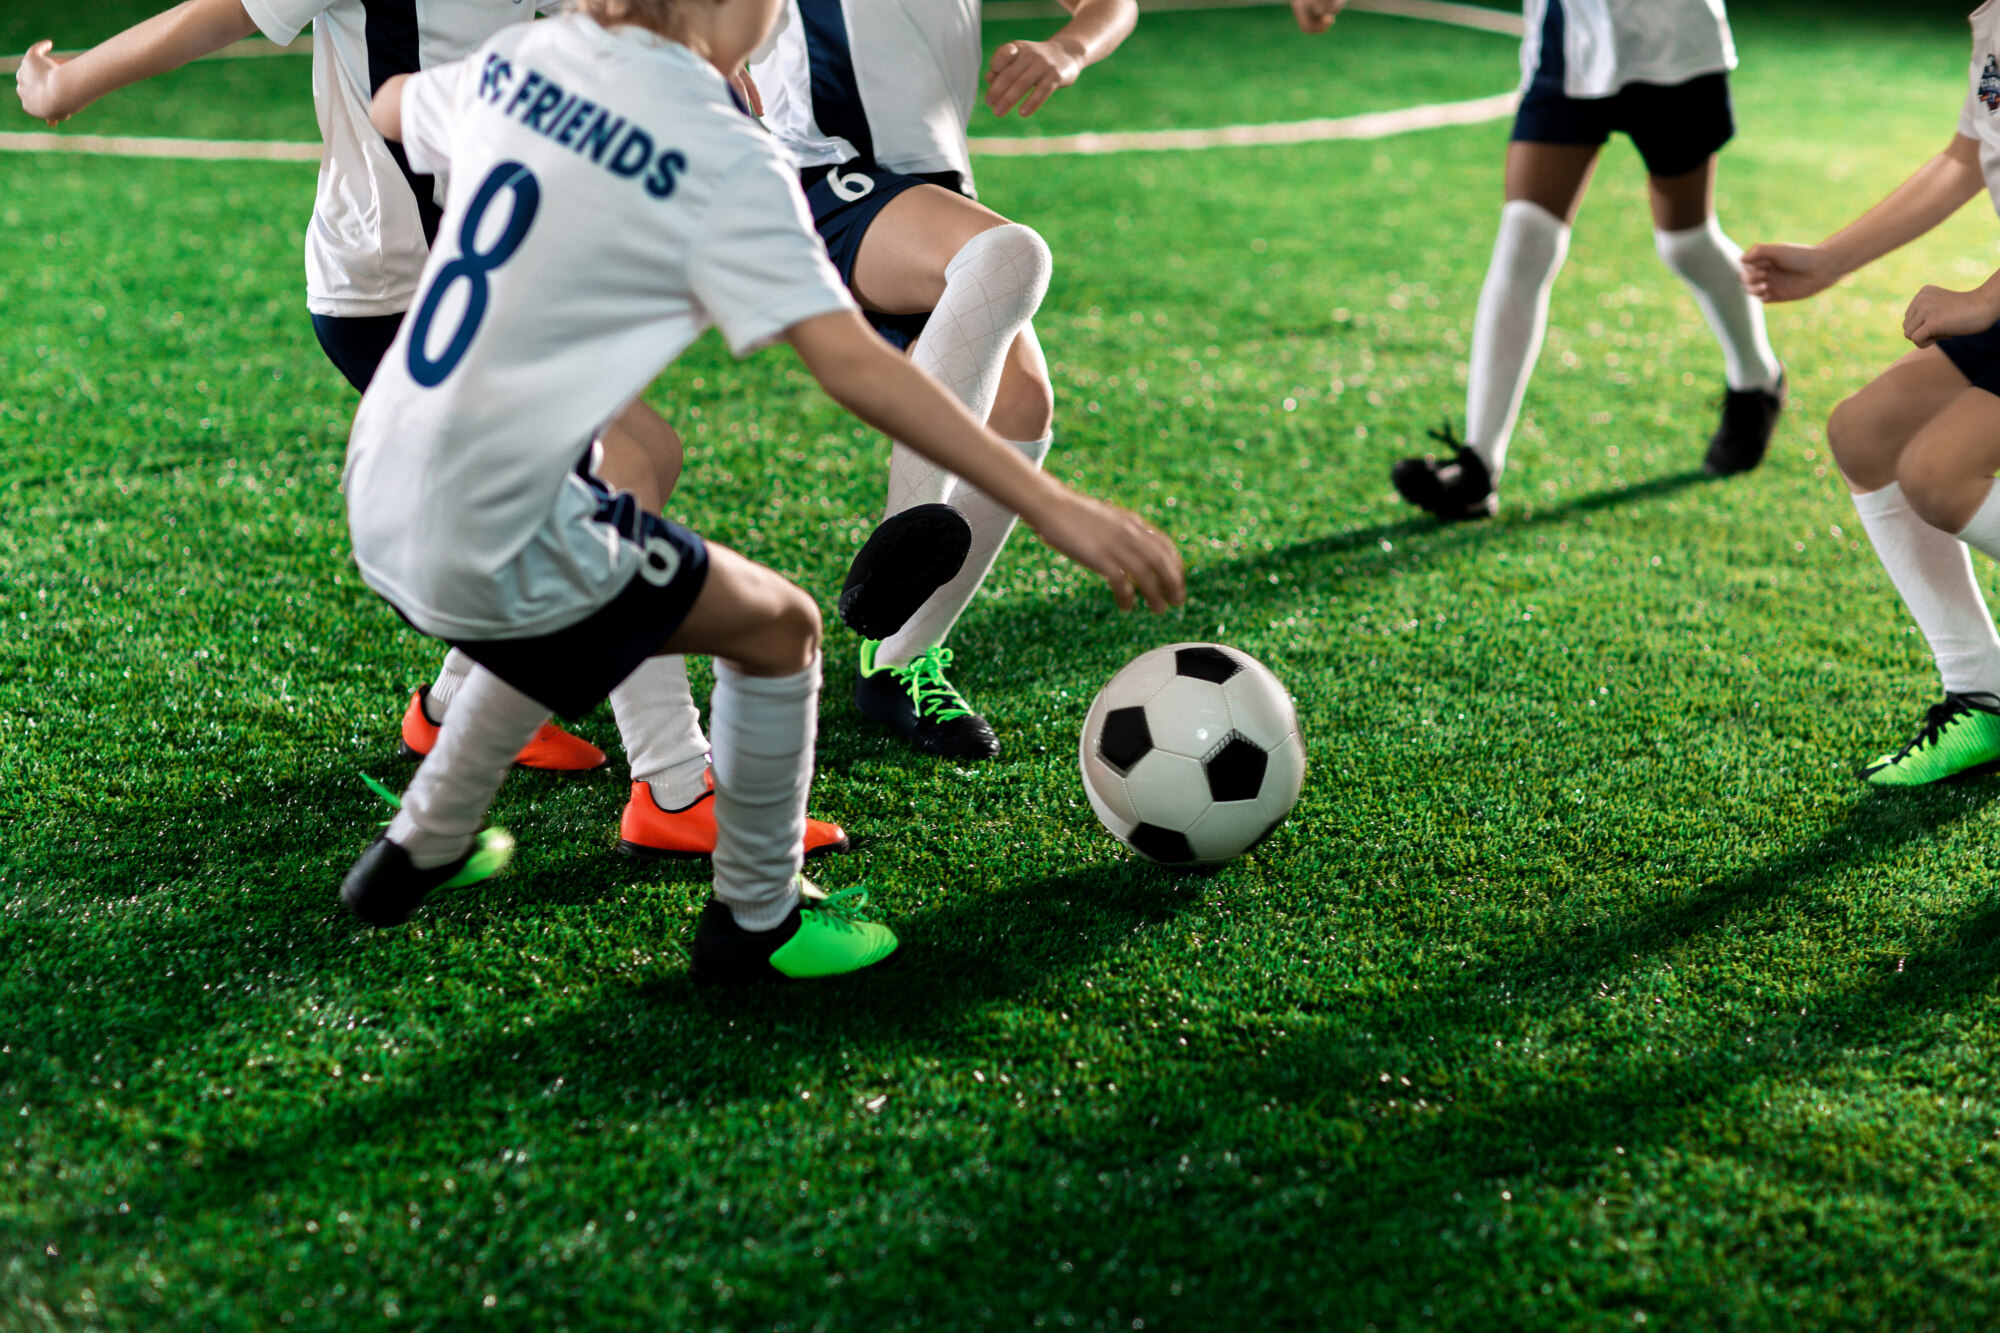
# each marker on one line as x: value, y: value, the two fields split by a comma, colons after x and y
x: 570, y: 671
x: 845, y: 201
x: 1675, y: 128
x: 356, y: 344
x: 1977, y: 356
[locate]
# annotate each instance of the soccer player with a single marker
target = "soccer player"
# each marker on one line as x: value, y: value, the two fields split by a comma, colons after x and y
x: 872, y: 99
x: 1656, y: 71
x: 1920, y: 444
x: 612, y: 201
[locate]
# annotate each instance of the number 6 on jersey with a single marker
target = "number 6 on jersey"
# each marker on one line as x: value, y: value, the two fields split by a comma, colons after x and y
x: 473, y: 265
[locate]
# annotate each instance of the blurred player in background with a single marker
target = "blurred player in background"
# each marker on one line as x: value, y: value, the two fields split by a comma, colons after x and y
x: 1920, y: 445
x: 1657, y: 72
x: 872, y: 98
x: 614, y: 201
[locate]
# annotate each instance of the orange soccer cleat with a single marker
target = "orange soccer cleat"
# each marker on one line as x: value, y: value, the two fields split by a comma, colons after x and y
x: 552, y: 749
x: 649, y: 832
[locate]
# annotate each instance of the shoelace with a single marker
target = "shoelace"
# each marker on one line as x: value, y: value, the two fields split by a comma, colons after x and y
x: 932, y: 694
x: 395, y: 801
x: 1447, y: 435
x: 1943, y: 715
x: 842, y: 907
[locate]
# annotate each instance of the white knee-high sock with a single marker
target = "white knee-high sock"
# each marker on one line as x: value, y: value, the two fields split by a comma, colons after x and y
x: 991, y: 525
x: 992, y: 288
x: 1712, y: 267
x: 1982, y: 533
x: 764, y: 728
x: 451, y: 675
x: 1507, y: 331
x: 661, y: 729
x: 1932, y: 570
x: 447, y: 800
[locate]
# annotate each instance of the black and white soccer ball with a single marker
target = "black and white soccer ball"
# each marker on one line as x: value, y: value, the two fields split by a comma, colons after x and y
x: 1191, y: 755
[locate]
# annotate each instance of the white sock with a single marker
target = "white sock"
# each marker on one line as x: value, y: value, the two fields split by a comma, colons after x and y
x: 1507, y: 331
x: 447, y: 801
x: 992, y: 288
x: 451, y: 675
x: 763, y: 768
x: 1982, y: 533
x: 1712, y: 267
x: 991, y: 525
x: 1932, y: 571
x: 661, y: 729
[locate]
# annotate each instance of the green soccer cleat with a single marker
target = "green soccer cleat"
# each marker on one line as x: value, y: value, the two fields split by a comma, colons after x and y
x: 823, y: 937
x: 919, y: 702
x: 1960, y: 735
x: 385, y: 889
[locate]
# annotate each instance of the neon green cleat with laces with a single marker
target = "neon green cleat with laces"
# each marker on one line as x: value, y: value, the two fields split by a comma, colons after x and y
x: 919, y: 702
x: 1960, y: 735
x: 825, y: 936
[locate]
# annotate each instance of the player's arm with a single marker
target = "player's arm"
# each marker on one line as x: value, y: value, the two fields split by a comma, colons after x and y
x: 1316, y: 16
x: 54, y: 90
x: 865, y: 376
x: 385, y: 113
x: 1026, y: 74
x: 1940, y: 188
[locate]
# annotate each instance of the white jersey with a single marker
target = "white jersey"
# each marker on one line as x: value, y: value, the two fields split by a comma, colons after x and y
x: 890, y: 82
x: 609, y: 202
x: 1610, y: 43
x: 365, y: 247
x: 1979, y: 119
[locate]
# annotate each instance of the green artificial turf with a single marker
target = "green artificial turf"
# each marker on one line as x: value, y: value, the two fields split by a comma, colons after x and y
x: 1586, y: 989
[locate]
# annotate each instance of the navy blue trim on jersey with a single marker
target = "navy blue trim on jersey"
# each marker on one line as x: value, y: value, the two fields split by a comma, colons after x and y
x: 393, y: 36
x: 571, y: 670
x: 1977, y: 356
x: 843, y: 218
x: 1675, y: 128
x: 836, y: 93
x: 356, y: 344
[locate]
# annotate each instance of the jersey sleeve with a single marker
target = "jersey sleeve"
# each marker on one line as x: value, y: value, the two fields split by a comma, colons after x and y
x: 283, y: 20
x: 759, y: 267
x: 433, y: 103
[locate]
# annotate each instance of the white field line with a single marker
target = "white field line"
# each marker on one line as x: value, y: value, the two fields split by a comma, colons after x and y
x: 1371, y: 125
x: 1437, y: 11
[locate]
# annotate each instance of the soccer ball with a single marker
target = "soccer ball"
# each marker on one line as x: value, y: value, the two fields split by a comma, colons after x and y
x: 1191, y: 755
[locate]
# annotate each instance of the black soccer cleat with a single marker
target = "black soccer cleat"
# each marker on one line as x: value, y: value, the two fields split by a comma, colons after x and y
x: 909, y: 556
x: 1748, y: 418
x: 1454, y: 489
x: 916, y: 700
x: 383, y: 888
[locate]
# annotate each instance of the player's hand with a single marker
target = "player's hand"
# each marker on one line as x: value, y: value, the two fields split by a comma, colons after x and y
x: 748, y: 87
x: 1136, y: 559
x: 1936, y: 313
x: 1027, y: 73
x: 1316, y: 16
x: 36, y: 81
x: 1776, y: 273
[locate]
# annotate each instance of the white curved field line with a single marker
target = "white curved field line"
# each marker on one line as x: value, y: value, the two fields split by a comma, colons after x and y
x: 1370, y: 125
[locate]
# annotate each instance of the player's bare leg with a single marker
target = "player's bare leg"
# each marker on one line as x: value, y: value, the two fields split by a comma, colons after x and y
x: 1545, y: 185
x: 981, y: 278
x: 1691, y: 242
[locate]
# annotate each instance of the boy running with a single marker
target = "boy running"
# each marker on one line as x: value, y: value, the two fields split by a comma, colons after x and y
x: 1920, y: 444
x: 612, y: 201
x: 1657, y: 72
x: 871, y: 98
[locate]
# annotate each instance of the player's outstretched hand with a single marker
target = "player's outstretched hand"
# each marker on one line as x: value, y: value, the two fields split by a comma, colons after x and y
x: 1316, y: 16
x: 1136, y: 559
x: 35, y: 80
x: 1776, y: 273
x: 1936, y: 312
x: 1028, y: 73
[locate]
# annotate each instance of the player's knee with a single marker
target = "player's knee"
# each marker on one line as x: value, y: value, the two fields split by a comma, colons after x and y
x: 791, y: 640
x: 1013, y: 265
x: 1932, y: 487
x: 1854, y: 437
x: 1025, y: 407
